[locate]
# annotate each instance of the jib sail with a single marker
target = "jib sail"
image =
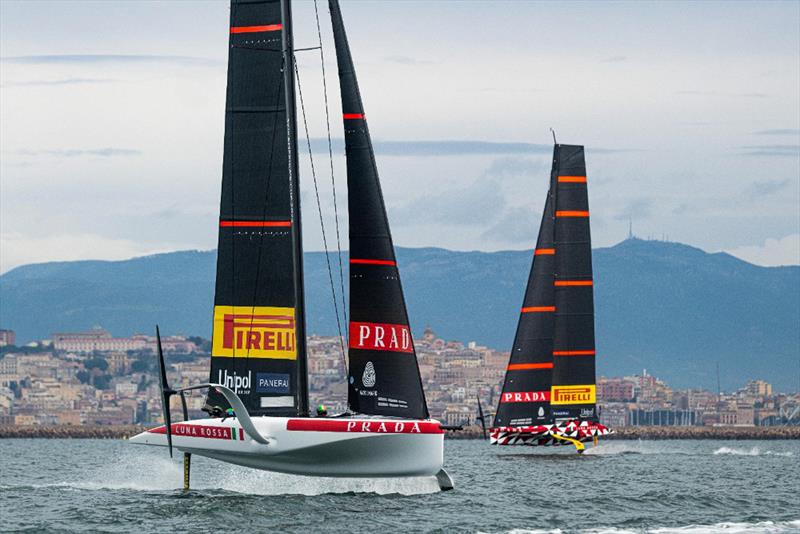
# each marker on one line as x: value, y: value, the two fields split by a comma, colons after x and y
x: 258, y: 343
x: 384, y: 376
x: 525, y: 399
x: 572, y: 394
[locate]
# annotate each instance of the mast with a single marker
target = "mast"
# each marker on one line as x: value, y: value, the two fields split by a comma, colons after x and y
x: 384, y: 376
x: 258, y: 340
x: 525, y: 399
x: 573, y: 394
x: 294, y: 180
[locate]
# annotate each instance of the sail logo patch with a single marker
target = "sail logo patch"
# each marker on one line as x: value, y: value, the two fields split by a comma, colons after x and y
x: 368, y: 378
x: 381, y: 336
x: 573, y: 394
x: 526, y: 396
x: 254, y: 332
x: 272, y: 383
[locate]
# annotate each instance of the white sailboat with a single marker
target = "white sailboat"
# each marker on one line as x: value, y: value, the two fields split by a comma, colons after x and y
x: 258, y: 391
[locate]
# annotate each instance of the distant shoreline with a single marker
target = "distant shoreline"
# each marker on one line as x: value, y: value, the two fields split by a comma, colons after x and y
x: 472, y: 432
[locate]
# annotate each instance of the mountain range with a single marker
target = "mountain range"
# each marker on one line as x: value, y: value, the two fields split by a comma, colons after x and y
x: 672, y: 309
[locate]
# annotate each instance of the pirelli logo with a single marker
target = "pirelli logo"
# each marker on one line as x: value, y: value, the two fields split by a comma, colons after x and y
x: 573, y: 394
x: 254, y: 332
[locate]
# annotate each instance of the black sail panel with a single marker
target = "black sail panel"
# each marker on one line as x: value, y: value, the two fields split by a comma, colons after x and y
x: 573, y: 393
x: 384, y: 375
x: 255, y: 336
x: 525, y: 399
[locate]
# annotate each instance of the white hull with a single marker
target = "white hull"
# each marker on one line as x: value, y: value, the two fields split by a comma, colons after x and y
x: 333, y: 447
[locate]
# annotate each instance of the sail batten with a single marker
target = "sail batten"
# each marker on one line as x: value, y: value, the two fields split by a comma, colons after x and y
x: 384, y: 376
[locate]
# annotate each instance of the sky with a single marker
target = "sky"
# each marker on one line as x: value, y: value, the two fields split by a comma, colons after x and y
x: 112, y: 114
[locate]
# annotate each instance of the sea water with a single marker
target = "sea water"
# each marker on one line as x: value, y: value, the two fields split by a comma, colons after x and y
x: 621, y: 486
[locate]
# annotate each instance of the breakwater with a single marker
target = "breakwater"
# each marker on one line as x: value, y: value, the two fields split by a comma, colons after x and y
x: 470, y: 432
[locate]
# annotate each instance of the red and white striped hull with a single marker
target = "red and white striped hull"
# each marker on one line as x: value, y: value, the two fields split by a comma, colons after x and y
x: 331, y: 447
x: 542, y: 435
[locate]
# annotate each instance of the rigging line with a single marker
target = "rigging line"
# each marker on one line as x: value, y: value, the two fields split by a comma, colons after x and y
x: 319, y: 207
x: 333, y: 181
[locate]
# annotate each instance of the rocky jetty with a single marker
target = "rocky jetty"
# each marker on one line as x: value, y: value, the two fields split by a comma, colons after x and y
x: 70, y: 431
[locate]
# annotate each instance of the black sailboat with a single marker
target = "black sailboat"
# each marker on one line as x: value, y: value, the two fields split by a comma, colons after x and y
x: 548, y: 394
x: 259, y: 376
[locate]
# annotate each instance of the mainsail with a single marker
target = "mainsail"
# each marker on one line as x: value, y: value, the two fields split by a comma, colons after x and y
x: 525, y: 399
x: 258, y: 343
x: 573, y: 391
x: 384, y: 376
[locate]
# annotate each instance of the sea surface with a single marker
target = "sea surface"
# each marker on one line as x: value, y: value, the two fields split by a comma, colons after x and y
x: 620, y: 486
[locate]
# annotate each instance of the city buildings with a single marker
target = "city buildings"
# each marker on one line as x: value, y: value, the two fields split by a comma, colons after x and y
x: 93, y: 378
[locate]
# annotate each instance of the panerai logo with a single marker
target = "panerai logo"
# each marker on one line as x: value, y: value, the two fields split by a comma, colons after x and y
x: 239, y: 384
x: 368, y: 378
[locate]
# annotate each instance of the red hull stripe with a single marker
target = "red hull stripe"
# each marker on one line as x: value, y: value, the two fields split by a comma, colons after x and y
x: 573, y: 353
x: 544, y: 252
x: 256, y: 29
x: 529, y: 366
x: 373, y: 262
x: 360, y: 426
x: 572, y: 179
x: 197, y: 431
x: 534, y: 309
x: 353, y: 115
x: 569, y: 213
x: 562, y: 283
x: 255, y: 224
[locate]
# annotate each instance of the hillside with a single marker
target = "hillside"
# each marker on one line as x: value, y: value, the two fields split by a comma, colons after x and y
x: 670, y: 308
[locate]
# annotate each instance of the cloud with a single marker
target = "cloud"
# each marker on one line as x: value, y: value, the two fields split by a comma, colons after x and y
x: 763, y: 188
x: 107, y: 152
x: 693, y: 92
x: 475, y: 204
x: 511, y: 167
x: 614, y: 59
x: 406, y: 60
x: 71, y: 59
x: 517, y: 225
x: 641, y: 208
x: 455, y: 148
x: 773, y: 252
x: 778, y: 131
x: 770, y: 150
x: 64, y: 81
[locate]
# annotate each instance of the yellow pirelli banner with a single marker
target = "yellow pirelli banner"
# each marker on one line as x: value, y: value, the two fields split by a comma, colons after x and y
x: 254, y: 332
x: 573, y: 394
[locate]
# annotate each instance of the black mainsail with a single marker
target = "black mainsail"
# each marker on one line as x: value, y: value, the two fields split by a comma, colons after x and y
x: 258, y: 342
x: 525, y: 399
x: 384, y: 375
x: 573, y: 390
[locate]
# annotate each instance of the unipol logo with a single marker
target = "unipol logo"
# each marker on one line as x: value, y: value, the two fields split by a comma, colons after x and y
x: 381, y: 336
x: 526, y: 396
x: 239, y: 384
x: 368, y: 378
x: 254, y: 332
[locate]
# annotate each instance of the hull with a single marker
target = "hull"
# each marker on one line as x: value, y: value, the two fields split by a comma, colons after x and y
x: 332, y: 447
x: 548, y: 435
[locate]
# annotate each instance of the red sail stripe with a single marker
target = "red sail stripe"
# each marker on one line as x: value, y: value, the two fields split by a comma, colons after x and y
x: 353, y: 115
x: 544, y: 252
x: 256, y: 29
x: 570, y: 213
x: 373, y: 262
x: 573, y: 282
x: 529, y: 366
x: 572, y: 179
x: 255, y: 224
x: 533, y: 309
x: 357, y: 426
x: 573, y: 353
